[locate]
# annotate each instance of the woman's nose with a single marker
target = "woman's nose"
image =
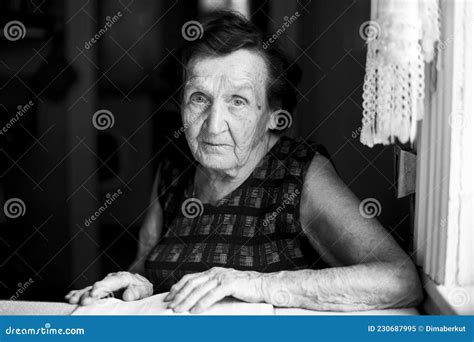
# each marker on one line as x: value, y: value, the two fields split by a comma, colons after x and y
x: 215, y: 122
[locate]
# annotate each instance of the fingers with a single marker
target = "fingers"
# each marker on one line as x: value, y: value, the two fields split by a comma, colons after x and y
x: 74, y: 296
x: 86, y: 299
x: 112, y: 282
x: 180, y: 284
x: 135, y: 287
x: 210, y: 298
x: 136, y: 292
x: 81, y: 297
x: 197, y: 292
x: 194, y: 296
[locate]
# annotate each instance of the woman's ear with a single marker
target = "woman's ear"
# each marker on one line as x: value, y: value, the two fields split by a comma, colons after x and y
x: 272, y: 121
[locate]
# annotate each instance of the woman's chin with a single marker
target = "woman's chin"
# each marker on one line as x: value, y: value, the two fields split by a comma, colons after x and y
x: 215, y: 161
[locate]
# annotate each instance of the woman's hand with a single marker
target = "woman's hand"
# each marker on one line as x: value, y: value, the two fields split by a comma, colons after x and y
x: 197, y: 292
x: 134, y: 287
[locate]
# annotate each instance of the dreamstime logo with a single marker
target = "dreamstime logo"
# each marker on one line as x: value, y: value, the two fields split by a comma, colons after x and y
x: 289, y: 200
x: 110, y: 21
x: 368, y: 299
x: 365, y: 121
x: 21, y: 288
x: 443, y: 44
x: 192, y: 30
x: 287, y: 22
x: 14, y: 208
x: 457, y: 120
x: 283, y: 119
x: 110, y: 198
x: 280, y: 297
x: 192, y: 207
x: 369, y: 30
x: 103, y: 119
x: 442, y: 227
x: 458, y: 296
x: 14, y: 30
x: 22, y: 110
x: 370, y: 207
x: 186, y: 125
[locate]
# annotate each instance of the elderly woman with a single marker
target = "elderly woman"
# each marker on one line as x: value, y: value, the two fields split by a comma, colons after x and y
x: 259, y: 217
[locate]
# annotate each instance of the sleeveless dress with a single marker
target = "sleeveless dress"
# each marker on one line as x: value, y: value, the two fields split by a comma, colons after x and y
x: 256, y: 227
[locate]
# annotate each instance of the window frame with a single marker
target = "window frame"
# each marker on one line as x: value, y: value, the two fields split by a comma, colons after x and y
x: 444, y: 215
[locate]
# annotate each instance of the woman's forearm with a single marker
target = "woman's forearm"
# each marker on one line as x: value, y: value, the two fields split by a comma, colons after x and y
x: 351, y: 288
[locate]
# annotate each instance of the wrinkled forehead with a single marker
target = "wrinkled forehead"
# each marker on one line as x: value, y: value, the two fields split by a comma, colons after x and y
x: 239, y: 71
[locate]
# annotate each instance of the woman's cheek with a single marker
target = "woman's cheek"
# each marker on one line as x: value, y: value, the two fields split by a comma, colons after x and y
x: 189, y: 115
x: 245, y: 132
x: 191, y: 123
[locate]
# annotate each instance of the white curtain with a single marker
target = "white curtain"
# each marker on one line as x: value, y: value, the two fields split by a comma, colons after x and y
x: 401, y: 37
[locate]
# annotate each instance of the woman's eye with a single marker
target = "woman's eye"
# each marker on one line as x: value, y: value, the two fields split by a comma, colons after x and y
x: 198, y: 98
x: 238, y: 102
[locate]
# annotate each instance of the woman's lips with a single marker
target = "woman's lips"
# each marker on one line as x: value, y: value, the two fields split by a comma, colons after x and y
x: 214, y: 147
x: 213, y: 144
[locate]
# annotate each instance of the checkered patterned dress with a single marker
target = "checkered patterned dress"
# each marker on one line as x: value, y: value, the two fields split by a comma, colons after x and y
x: 256, y: 227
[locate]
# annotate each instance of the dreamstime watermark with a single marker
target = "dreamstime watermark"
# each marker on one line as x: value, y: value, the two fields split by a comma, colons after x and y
x: 289, y: 200
x: 21, y: 289
x: 186, y: 125
x: 283, y: 119
x: 192, y: 30
x: 367, y: 299
x: 22, y: 110
x: 46, y: 330
x: 459, y: 296
x: 288, y: 22
x: 280, y: 297
x: 369, y: 30
x: 103, y: 119
x: 107, y: 203
x: 457, y: 120
x: 192, y: 207
x: 365, y: 121
x: 110, y: 21
x: 14, y: 30
x: 14, y: 208
x: 370, y: 207
x: 443, y: 44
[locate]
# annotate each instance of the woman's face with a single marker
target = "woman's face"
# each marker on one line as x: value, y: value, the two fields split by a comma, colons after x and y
x: 224, y: 108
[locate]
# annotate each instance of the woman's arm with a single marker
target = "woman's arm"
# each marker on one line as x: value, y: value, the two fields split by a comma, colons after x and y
x: 369, y: 271
x: 150, y: 230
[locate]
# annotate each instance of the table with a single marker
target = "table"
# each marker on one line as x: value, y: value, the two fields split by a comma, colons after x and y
x: 8, y: 307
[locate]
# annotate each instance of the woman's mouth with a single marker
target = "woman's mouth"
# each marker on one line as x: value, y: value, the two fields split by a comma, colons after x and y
x: 214, y: 144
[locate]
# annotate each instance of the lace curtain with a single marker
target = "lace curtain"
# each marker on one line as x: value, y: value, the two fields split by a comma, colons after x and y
x: 401, y: 37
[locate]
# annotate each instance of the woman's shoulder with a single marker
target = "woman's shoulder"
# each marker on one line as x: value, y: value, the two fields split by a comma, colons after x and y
x: 320, y: 166
x: 310, y: 157
x: 300, y: 148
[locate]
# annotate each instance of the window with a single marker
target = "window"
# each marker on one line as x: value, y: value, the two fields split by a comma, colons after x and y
x: 444, y: 233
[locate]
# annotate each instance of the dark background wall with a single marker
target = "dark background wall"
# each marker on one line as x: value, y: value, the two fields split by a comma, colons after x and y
x: 63, y: 168
x: 333, y: 59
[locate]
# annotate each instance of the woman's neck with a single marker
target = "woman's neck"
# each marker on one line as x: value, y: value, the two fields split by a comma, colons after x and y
x: 212, y: 185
